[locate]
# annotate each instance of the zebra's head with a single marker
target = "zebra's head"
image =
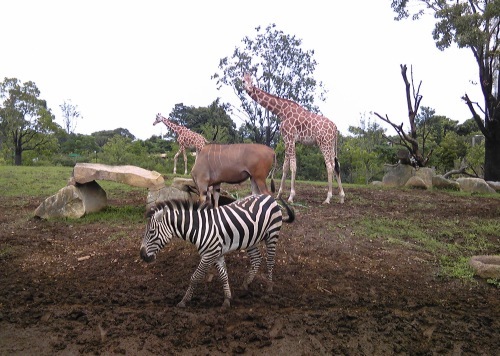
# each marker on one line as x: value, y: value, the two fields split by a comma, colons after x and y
x: 156, y: 236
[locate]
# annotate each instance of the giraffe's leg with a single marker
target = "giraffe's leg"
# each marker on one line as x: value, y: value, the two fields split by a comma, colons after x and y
x: 293, y: 171
x: 327, y: 155
x: 286, y: 166
x: 337, y: 176
x: 197, y: 278
x: 255, y: 260
x: 185, y: 162
x: 221, y: 268
x: 175, y: 159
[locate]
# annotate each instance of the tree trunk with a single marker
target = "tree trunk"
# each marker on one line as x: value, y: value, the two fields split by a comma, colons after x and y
x: 492, y: 155
x: 18, y: 156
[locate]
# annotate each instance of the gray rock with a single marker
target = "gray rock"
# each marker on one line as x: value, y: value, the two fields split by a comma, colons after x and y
x: 73, y: 201
x: 131, y: 175
x: 474, y: 185
x: 494, y: 185
x: 416, y: 182
x: 397, y: 175
x: 426, y: 175
x: 439, y: 182
x: 486, y: 266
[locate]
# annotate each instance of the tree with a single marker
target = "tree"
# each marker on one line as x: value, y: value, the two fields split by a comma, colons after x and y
x: 473, y: 24
x: 281, y: 67
x: 70, y: 115
x: 25, y: 121
x: 212, y: 122
x: 410, y: 139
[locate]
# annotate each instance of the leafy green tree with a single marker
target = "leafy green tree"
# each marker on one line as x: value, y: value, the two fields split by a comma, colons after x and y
x: 281, y: 68
x: 473, y: 24
x: 364, y: 152
x: 451, y: 151
x: 102, y: 137
x: 70, y: 115
x: 25, y: 121
x: 117, y: 151
x: 213, y: 122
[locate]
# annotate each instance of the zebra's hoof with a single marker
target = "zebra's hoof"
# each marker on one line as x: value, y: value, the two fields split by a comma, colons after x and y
x: 226, y: 304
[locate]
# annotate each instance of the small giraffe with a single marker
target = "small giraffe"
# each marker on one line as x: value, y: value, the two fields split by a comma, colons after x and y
x: 300, y: 125
x: 185, y: 138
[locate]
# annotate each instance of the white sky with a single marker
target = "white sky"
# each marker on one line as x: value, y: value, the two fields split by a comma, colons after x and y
x: 124, y: 61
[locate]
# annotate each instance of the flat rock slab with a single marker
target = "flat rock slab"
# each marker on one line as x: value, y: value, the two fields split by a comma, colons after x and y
x: 131, y: 175
x: 486, y: 266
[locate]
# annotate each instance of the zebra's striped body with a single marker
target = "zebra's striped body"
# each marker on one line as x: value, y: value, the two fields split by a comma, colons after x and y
x: 215, y: 232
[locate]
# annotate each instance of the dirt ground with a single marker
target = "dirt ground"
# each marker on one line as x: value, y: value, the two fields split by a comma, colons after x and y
x: 82, y: 289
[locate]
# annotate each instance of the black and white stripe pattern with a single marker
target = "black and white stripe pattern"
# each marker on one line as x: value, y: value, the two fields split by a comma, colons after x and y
x: 215, y: 232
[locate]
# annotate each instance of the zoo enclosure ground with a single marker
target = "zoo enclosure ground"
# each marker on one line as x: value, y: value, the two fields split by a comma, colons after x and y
x: 342, y: 286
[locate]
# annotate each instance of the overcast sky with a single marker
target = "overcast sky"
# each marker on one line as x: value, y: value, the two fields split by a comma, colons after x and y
x: 121, y: 62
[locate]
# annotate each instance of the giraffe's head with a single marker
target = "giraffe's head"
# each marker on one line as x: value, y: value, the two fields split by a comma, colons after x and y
x: 159, y: 118
x: 247, y: 82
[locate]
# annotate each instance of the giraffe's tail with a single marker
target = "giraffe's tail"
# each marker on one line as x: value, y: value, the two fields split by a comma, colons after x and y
x: 337, y: 166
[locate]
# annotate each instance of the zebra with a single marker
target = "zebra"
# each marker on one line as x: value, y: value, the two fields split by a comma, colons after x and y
x: 241, y: 225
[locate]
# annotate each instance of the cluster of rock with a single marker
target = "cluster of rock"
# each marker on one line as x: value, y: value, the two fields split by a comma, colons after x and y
x: 402, y: 175
x: 84, y: 195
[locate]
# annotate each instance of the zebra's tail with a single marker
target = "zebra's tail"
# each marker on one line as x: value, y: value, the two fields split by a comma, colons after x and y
x: 289, y: 211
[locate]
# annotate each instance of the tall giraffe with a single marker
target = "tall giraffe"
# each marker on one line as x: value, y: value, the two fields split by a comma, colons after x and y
x: 185, y: 138
x: 300, y: 125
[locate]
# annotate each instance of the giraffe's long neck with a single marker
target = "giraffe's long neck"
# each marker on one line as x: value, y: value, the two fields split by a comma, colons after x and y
x: 171, y: 125
x: 268, y: 101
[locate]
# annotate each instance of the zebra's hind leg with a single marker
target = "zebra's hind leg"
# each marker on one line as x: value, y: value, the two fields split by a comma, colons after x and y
x: 221, y: 267
x: 270, y: 260
x: 196, y: 278
x: 255, y: 260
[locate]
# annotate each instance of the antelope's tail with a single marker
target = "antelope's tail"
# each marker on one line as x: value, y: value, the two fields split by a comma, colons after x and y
x: 273, y: 188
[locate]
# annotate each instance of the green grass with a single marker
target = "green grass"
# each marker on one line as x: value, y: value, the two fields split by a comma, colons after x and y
x: 450, y: 243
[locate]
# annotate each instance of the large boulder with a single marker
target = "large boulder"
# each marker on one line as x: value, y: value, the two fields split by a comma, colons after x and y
x: 426, y: 174
x: 156, y: 196
x: 397, y: 175
x: 73, y: 201
x: 131, y: 175
x: 474, y: 185
x: 416, y: 182
x: 440, y: 182
x: 494, y: 185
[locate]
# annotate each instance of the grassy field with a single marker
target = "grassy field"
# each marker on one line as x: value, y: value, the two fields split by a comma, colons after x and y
x: 439, y: 239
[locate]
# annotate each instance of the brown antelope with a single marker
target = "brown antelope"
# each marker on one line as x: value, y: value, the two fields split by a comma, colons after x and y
x: 216, y: 164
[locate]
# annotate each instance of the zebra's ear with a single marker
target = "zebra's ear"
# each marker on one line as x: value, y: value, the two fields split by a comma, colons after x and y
x: 158, y: 215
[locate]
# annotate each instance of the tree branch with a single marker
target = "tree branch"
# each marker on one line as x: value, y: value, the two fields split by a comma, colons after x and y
x: 475, y: 116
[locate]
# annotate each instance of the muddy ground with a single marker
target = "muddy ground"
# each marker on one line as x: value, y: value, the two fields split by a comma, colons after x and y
x: 81, y: 288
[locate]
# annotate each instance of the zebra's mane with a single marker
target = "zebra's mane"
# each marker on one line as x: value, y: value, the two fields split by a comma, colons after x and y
x: 176, y: 204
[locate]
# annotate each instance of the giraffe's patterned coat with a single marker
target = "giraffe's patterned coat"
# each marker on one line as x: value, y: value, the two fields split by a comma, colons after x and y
x: 185, y: 138
x: 300, y: 125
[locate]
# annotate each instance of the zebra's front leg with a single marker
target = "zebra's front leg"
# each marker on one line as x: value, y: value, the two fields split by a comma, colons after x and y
x: 196, y: 278
x: 221, y: 267
x: 255, y: 260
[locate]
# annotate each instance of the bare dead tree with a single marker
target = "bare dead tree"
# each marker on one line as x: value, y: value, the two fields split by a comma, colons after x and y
x: 409, y: 139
